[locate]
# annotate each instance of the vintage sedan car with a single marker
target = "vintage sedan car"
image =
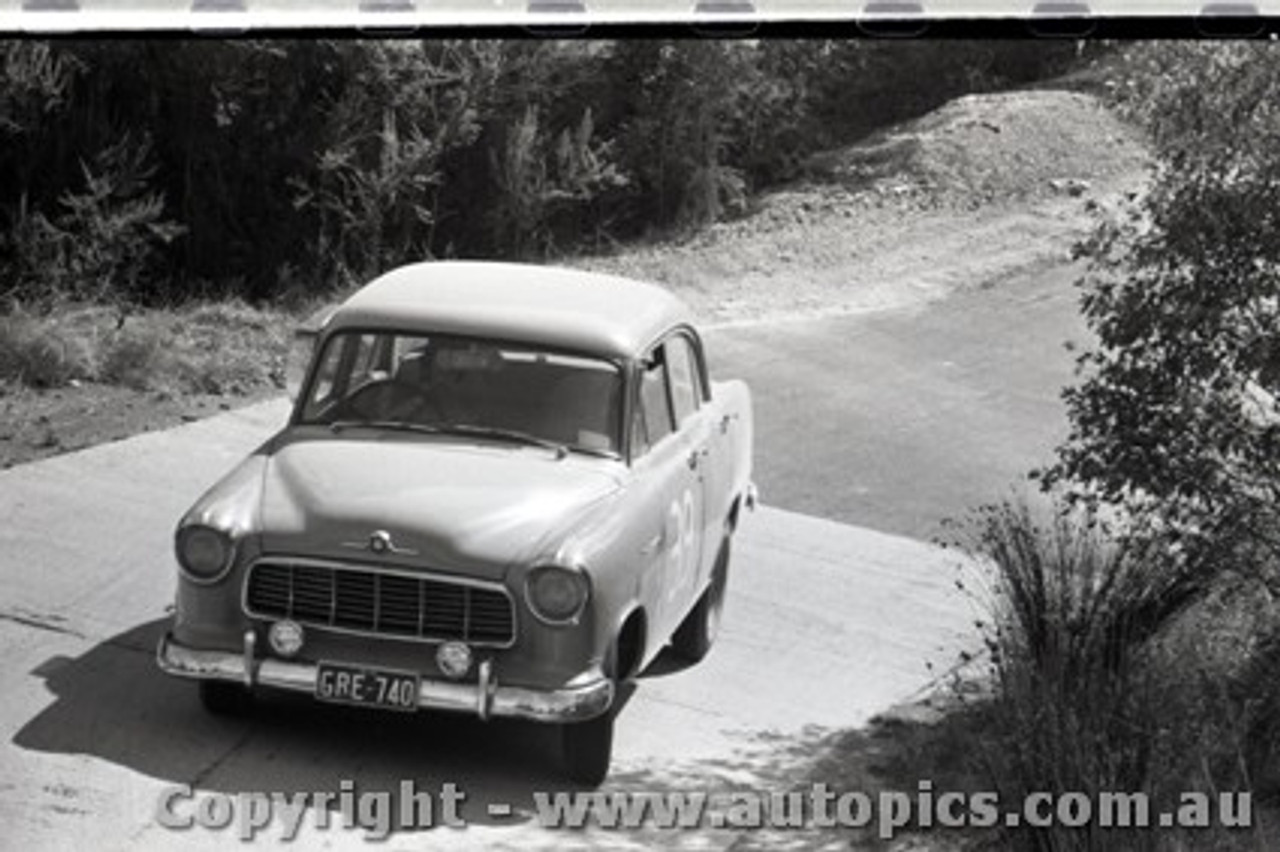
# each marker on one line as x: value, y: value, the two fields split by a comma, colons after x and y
x: 503, y: 490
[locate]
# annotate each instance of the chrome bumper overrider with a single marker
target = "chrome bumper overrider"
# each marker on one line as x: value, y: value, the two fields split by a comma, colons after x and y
x: 485, y: 698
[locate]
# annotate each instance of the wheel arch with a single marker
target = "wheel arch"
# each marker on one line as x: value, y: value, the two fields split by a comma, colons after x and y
x: 631, y: 641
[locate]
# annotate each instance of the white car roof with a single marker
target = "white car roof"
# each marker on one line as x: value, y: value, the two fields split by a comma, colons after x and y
x: 562, y: 308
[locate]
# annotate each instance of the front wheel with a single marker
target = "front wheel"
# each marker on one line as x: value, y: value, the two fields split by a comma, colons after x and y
x: 697, y: 633
x: 586, y: 749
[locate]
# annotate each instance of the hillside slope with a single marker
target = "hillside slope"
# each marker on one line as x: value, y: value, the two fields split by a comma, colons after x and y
x: 984, y: 187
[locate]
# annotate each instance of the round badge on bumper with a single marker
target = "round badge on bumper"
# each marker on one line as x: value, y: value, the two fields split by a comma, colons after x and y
x: 454, y: 660
x: 286, y: 637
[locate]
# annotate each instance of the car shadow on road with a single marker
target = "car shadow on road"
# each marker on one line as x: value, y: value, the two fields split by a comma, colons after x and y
x: 112, y: 703
x: 666, y: 663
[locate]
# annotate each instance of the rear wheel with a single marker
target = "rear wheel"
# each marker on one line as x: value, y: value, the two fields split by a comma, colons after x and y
x: 697, y: 633
x: 222, y: 698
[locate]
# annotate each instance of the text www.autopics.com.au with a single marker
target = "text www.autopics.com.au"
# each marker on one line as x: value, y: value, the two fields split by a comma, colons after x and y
x: 380, y: 813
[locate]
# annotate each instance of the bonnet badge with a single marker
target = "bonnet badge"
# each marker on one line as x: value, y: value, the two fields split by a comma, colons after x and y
x: 380, y: 543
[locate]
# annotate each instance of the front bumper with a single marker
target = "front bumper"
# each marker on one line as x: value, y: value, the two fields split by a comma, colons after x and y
x: 485, y: 698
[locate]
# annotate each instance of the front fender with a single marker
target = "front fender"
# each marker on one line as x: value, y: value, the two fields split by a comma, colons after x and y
x: 609, y: 543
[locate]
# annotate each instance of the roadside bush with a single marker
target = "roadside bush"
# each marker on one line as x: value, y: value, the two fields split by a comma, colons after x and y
x: 1104, y: 677
x: 234, y: 375
x: 1176, y: 415
x: 232, y: 316
x: 230, y: 347
x: 137, y: 357
x: 223, y: 348
x: 43, y: 353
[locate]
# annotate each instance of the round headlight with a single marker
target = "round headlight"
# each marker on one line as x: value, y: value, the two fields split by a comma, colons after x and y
x: 204, y: 552
x: 556, y: 594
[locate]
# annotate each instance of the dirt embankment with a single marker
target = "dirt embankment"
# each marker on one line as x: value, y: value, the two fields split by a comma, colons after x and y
x: 983, y: 188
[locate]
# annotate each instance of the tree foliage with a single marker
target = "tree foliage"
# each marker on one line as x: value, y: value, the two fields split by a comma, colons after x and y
x: 154, y: 171
x: 1176, y: 414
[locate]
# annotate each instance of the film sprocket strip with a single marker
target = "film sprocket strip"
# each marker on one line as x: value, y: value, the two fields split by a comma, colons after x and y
x: 1049, y: 18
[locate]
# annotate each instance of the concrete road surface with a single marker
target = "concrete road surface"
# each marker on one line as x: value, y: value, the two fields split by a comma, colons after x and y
x: 826, y: 625
x: 900, y: 419
x: 888, y: 421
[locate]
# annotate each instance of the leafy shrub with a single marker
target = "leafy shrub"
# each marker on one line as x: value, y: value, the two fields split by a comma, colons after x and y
x: 1177, y: 415
x: 547, y: 183
x: 102, y: 242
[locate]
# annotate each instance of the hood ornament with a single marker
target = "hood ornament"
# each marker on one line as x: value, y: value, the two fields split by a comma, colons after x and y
x: 380, y: 543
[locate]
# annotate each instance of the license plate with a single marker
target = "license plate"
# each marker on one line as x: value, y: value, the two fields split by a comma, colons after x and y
x: 344, y: 684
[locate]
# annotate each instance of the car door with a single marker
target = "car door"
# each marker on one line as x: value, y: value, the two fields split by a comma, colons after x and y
x: 693, y: 422
x: 666, y: 458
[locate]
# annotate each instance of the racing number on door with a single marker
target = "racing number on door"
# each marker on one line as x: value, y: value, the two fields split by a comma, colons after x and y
x: 682, y: 550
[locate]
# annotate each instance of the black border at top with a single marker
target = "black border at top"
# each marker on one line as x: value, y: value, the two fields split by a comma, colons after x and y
x: 1050, y: 27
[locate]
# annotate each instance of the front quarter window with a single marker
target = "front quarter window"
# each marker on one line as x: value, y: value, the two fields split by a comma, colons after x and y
x: 653, y: 410
x: 322, y: 388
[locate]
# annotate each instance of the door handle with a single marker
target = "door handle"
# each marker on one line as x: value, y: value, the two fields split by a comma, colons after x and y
x: 693, y: 460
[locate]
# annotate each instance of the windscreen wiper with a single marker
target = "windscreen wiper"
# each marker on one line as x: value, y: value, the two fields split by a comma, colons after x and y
x: 401, y: 425
x: 504, y: 434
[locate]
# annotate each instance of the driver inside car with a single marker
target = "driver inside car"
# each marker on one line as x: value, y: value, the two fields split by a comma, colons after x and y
x: 447, y: 382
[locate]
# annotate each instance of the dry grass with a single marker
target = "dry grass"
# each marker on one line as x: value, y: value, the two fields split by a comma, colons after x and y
x: 224, y: 348
x: 1111, y: 672
x: 41, y: 352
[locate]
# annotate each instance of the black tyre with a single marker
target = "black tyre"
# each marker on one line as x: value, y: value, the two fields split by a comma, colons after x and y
x: 697, y: 633
x: 586, y: 749
x: 222, y: 698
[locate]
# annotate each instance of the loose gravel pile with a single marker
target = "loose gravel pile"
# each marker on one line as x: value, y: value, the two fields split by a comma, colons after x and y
x: 993, y: 148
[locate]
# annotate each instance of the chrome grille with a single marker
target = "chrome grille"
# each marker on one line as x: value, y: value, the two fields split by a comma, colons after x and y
x: 382, y: 603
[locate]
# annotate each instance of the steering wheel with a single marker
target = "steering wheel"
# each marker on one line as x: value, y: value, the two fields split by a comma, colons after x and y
x: 388, y: 399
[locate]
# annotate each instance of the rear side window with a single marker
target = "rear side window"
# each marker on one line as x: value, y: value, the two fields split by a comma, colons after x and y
x: 685, y: 390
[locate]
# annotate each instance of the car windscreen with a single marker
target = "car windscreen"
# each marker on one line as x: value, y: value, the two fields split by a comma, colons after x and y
x: 463, y: 383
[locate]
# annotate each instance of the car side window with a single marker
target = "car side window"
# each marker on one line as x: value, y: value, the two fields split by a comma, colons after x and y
x: 653, y: 413
x: 685, y: 392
